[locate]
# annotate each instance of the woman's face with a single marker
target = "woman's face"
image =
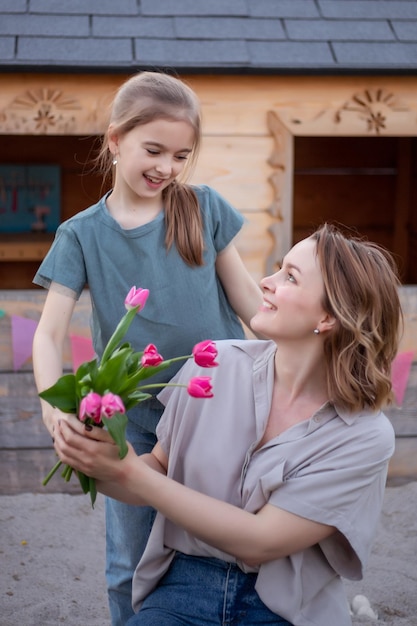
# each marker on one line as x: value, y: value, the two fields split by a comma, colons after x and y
x: 292, y: 306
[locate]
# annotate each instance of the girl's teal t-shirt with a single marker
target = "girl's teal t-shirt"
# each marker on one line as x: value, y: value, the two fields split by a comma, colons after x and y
x: 185, y: 305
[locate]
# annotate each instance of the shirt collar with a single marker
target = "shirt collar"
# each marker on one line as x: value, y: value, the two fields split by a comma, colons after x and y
x: 350, y: 417
x: 261, y: 351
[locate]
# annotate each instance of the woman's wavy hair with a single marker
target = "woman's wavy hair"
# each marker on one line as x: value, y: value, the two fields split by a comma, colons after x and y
x: 146, y: 97
x: 361, y: 291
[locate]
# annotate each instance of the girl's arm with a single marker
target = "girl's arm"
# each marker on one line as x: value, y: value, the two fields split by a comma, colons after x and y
x: 271, y: 533
x: 244, y: 295
x: 48, y: 346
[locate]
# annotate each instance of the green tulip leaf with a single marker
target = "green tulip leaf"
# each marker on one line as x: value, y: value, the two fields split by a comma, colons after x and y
x: 93, y: 490
x: 112, y: 374
x: 135, y: 397
x: 118, y: 334
x: 116, y: 426
x: 84, y: 481
x: 62, y: 394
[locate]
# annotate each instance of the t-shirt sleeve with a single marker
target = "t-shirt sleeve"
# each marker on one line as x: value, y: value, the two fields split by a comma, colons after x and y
x: 220, y: 218
x: 64, y: 262
x: 344, y: 489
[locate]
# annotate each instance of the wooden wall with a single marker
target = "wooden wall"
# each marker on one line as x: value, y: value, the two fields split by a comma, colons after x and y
x: 266, y: 171
x: 287, y: 151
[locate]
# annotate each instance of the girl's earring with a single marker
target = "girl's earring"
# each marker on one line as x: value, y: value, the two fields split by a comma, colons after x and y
x: 114, y: 160
x: 316, y: 331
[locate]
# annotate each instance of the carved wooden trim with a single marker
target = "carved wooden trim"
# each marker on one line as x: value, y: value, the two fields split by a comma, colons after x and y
x: 372, y: 111
x: 281, y: 160
x: 376, y: 108
x: 41, y: 111
x: 55, y: 106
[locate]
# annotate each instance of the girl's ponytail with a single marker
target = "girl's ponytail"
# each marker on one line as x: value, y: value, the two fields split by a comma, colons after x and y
x: 184, y: 224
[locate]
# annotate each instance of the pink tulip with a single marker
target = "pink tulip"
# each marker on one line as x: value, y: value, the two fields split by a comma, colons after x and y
x: 151, y: 356
x: 136, y: 297
x: 90, y: 407
x: 205, y: 353
x: 200, y: 387
x: 111, y: 404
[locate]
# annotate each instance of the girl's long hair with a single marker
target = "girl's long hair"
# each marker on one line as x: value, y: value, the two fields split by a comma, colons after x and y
x: 361, y: 291
x: 146, y: 97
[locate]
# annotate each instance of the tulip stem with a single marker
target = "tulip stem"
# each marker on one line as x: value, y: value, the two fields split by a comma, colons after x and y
x: 66, y: 474
x: 51, y: 473
x: 153, y: 385
x: 179, y: 358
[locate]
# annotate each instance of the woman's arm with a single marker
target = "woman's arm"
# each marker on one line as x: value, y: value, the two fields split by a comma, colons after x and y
x: 271, y: 533
x: 48, y: 346
x: 244, y: 295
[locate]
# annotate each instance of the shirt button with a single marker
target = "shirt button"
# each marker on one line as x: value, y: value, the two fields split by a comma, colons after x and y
x: 316, y: 419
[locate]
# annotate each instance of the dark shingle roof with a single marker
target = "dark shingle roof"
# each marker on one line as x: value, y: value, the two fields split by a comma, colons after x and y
x: 250, y: 36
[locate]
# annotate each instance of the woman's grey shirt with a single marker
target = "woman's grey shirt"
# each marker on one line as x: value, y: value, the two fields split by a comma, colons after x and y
x: 331, y: 469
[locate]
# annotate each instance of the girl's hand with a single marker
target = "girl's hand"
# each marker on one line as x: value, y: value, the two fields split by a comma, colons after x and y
x: 51, y: 416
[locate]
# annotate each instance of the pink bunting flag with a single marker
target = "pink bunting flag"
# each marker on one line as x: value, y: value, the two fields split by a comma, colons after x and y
x: 400, y: 372
x: 23, y: 330
x: 82, y: 350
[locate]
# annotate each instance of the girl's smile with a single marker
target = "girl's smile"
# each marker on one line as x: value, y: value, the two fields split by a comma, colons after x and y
x: 154, y: 183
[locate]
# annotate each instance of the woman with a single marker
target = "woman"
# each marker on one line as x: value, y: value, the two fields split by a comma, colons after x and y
x: 270, y: 492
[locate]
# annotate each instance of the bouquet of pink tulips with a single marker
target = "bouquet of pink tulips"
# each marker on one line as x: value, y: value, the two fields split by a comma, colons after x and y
x: 100, y: 392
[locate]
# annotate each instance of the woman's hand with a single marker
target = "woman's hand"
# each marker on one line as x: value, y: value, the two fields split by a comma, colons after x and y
x: 92, y: 452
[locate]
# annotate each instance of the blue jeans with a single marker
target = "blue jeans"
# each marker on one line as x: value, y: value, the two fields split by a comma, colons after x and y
x: 127, y: 531
x: 198, y: 591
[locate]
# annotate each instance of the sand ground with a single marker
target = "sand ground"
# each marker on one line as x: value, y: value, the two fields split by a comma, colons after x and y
x: 52, y: 562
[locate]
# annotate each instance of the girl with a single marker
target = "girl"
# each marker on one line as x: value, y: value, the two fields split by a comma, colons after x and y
x: 153, y: 231
x: 270, y: 492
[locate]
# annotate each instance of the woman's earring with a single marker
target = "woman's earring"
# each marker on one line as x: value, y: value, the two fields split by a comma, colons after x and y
x: 114, y: 160
x: 316, y: 331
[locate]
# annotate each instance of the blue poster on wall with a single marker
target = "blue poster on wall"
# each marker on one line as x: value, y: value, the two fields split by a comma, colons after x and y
x: 30, y: 198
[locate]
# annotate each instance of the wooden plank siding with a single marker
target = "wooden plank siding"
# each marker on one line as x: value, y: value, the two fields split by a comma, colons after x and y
x: 26, y: 451
x: 248, y: 159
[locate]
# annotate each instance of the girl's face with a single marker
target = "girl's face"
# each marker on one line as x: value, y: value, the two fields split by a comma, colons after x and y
x: 292, y: 306
x: 151, y: 156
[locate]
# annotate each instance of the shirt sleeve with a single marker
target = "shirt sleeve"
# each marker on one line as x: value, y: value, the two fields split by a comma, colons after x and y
x: 220, y: 218
x: 64, y: 262
x: 345, y: 489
